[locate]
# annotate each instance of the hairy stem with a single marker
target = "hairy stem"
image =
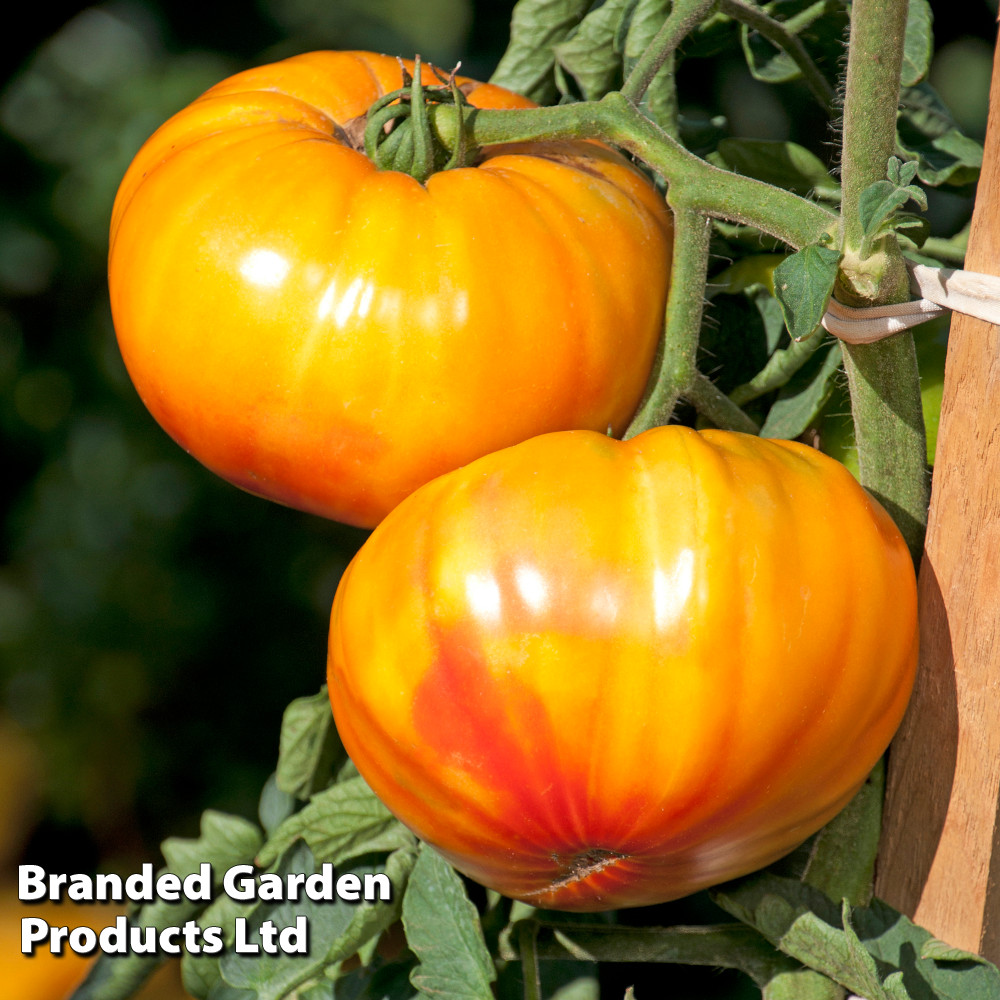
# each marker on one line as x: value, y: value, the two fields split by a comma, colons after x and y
x: 615, y: 120
x: 527, y: 940
x: 883, y: 377
x: 684, y: 16
x: 676, y: 370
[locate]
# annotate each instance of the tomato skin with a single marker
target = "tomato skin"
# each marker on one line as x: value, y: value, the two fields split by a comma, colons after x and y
x: 333, y: 336
x: 597, y: 674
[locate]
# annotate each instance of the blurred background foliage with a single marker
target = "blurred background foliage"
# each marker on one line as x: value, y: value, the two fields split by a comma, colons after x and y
x: 154, y: 621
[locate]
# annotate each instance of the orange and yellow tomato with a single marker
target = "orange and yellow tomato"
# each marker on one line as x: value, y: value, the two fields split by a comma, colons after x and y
x: 331, y: 335
x: 597, y: 674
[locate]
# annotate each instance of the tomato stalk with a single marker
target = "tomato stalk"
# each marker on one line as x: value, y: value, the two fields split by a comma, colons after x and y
x: 676, y: 374
x: 883, y: 377
x: 616, y: 120
x: 684, y: 16
x: 398, y: 134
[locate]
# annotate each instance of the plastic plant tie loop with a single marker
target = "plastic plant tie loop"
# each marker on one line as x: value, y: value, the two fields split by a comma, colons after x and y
x: 941, y: 289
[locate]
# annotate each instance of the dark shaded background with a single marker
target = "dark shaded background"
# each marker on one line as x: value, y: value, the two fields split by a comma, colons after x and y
x: 154, y: 621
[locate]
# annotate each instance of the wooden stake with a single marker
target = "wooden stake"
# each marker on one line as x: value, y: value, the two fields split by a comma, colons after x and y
x: 939, y: 860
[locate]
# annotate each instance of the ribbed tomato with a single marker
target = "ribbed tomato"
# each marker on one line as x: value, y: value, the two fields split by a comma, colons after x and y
x: 331, y: 335
x: 597, y: 674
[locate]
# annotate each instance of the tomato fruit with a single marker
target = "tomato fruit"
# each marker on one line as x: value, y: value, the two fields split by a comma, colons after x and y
x: 597, y: 674
x: 331, y: 335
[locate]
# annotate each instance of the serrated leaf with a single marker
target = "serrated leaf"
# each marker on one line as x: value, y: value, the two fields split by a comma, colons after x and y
x: 443, y: 930
x: 803, y: 923
x: 308, y: 745
x: 877, y: 203
x: 802, y: 399
x: 342, y: 822
x: 536, y: 26
x: 925, y: 131
x: 803, y: 282
x: 918, y: 44
x: 589, y: 55
x: 863, y: 965
x: 335, y: 928
x: 225, y: 840
x: 784, y: 164
x: 199, y: 971
x: 902, y: 173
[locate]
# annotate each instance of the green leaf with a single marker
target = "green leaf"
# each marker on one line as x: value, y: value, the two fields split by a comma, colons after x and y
x: 784, y: 164
x: 443, y: 930
x: 925, y: 131
x: 225, y: 841
x: 589, y: 55
x: 865, y: 969
x: 766, y: 61
x: 275, y: 806
x: 335, y: 928
x: 536, y: 26
x: 223, y: 991
x: 803, y: 923
x: 802, y: 399
x: 343, y: 821
x: 803, y: 282
x: 757, y: 269
x: 771, y: 316
x: 941, y: 951
x: 200, y: 972
x: 581, y: 988
x: 802, y: 984
x: 308, y: 745
x: 918, y: 45
x: 879, y: 203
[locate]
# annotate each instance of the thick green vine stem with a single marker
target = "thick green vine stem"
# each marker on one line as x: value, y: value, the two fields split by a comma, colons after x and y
x: 675, y: 374
x: 684, y: 16
x: 675, y: 369
x: 883, y: 377
x: 616, y: 120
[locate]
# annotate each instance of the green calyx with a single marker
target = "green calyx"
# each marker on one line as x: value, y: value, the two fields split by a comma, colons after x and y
x: 399, y: 134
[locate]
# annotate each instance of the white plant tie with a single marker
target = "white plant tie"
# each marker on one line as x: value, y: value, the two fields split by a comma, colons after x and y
x: 941, y: 289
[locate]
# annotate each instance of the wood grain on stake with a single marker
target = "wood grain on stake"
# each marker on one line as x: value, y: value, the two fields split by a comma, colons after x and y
x: 940, y: 854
